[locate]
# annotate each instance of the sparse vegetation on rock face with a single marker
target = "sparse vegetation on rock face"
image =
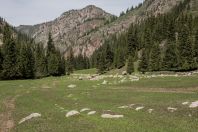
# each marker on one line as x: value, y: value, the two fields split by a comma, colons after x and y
x: 85, y: 30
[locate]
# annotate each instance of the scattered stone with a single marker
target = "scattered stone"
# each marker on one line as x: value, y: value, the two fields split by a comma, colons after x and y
x: 80, y: 78
x: 150, y: 111
x: 123, y: 107
x: 171, y: 109
x: 72, y: 86
x: 91, y: 113
x: 33, y: 115
x: 104, y: 82
x: 131, y: 105
x: 84, y: 109
x: 70, y: 95
x: 111, y: 116
x: 124, y: 73
x: 194, y: 104
x: 72, y: 113
x: 139, y: 108
x: 185, y: 103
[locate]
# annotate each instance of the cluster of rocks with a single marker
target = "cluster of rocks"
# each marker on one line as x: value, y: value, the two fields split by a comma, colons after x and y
x: 75, y: 112
x: 106, y: 114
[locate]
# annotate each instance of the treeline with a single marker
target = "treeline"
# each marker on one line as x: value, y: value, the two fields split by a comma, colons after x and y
x: 21, y: 58
x: 166, y: 42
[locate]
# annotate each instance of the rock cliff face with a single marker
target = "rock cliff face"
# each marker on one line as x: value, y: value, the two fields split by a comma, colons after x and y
x: 85, y: 30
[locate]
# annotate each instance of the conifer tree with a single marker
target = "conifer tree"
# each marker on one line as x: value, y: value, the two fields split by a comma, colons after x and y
x: 143, y: 66
x: 155, y: 58
x: 170, y: 61
x: 25, y: 62
x: 130, y: 65
x: 185, y: 50
x: 108, y: 57
x: 40, y: 62
x: 132, y: 41
x: 120, y: 59
x: 50, y: 45
x: 196, y: 47
x: 101, y: 64
x: 70, y: 62
x: 9, y: 62
x: 53, y: 67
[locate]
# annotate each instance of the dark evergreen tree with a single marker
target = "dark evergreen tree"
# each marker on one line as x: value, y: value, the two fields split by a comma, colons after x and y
x: 108, y: 57
x: 185, y: 50
x: 101, y: 64
x: 130, y: 65
x: 143, y: 66
x: 40, y: 62
x: 9, y: 62
x: 170, y: 61
x: 53, y: 67
x: 70, y: 62
x: 155, y: 58
x: 196, y: 47
x: 132, y: 42
x: 25, y: 62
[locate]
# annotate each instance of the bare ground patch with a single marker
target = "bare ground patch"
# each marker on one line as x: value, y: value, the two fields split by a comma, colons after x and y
x: 6, y: 119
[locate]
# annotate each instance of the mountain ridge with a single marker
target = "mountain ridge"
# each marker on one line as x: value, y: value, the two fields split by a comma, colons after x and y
x: 85, y: 37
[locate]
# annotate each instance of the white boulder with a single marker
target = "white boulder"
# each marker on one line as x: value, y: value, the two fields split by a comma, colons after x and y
x: 84, y: 109
x: 33, y: 115
x: 72, y: 113
x: 111, y: 116
x: 91, y: 113
x: 194, y: 104
x: 71, y: 86
x: 139, y: 108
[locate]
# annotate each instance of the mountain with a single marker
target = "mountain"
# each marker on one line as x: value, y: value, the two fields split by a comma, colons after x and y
x: 85, y: 30
x: 70, y: 28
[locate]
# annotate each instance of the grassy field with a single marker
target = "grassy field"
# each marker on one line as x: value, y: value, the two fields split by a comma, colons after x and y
x: 52, y: 98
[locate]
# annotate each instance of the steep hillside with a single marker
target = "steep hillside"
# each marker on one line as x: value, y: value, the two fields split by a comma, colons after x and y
x: 67, y: 29
x: 85, y: 30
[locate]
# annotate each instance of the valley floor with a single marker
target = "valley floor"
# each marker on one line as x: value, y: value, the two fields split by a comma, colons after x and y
x: 149, y: 103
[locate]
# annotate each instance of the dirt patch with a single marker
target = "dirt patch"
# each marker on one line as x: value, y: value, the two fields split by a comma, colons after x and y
x: 6, y: 120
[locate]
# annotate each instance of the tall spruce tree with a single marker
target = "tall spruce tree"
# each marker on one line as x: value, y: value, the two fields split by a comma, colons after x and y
x: 9, y: 52
x: 70, y: 62
x: 143, y: 66
x: 53, y: 65
x: 132, y: 41
x: 155, y: 58
x: 101, y: 63
x: 54, y: 60
x: 130, y: 65
x: 108, y: 57
x: 170, y: 60
x: 40, y: 61
x: 185, y: 49
x: 196, y: 47
x: 25, y: 62
x: 9, y: 62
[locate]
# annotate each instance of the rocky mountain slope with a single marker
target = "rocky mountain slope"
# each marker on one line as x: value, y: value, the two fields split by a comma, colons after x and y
x: 85, y: 30
x: 68, y: 29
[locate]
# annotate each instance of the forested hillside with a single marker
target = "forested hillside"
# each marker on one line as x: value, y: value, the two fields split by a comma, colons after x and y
x: 21, y: 58
x: 166, y: 42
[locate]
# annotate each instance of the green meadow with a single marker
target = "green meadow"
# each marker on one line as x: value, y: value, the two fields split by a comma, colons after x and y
x: 52, y: 98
